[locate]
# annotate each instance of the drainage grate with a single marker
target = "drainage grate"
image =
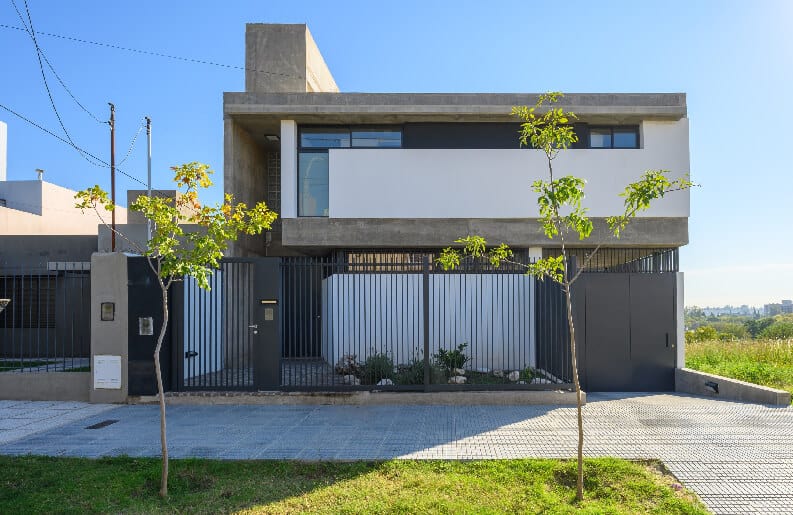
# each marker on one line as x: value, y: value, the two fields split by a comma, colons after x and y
x: 100, y: 425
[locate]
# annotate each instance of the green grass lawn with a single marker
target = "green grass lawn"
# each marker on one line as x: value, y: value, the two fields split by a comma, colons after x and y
x: 764, y: 362
x: 38, y: 484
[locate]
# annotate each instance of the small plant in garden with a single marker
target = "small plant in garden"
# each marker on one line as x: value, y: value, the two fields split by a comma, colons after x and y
x: 410, y: 373
x: 451, y: 359
x: 528, y: 374
x: 377, y: 366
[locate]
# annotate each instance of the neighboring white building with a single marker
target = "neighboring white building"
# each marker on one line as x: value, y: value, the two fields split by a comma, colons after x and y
x: 39, y: 223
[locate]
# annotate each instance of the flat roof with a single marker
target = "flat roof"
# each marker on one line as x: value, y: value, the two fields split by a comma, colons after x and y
x: 498, y: 105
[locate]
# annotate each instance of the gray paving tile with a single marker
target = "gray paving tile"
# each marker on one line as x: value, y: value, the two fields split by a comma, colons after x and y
x: 737, y: 457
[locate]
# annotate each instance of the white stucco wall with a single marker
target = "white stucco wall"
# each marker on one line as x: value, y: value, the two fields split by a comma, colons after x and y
x: 492, y: 183
x: 42, y: 208
x: 288, y: 169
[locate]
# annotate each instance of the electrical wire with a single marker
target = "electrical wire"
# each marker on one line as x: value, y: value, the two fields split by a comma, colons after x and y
x: 132, y: 144
x: 156, y: 54
x: 54, y: 72
x: 104, y: 164
x: 32, y: 33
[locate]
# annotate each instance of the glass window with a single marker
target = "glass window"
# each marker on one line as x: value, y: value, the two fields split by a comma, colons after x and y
x: 312, y: 184
x: 377, y: 138
x: 600, y: 138
x: 626, y: 138
x: 325, y: 138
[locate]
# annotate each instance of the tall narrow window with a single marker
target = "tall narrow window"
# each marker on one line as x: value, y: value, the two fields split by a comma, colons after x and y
x: 312, y: 188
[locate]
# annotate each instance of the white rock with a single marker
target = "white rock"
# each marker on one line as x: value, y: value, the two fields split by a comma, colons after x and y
x: 457, y: 380
x: 385, y: 382
x: 458, y: 372
x: 498, y: 373
x: 513, y: 376
x: 350, y: 379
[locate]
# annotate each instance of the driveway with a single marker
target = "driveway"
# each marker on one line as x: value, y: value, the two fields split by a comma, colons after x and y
x: 737, y: 457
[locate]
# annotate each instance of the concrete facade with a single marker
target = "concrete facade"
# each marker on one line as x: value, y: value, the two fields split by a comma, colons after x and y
x: 45, y: 386
x: 109, y: 284
x: 284, y: 58
x: 725, y: 388
x: 409, y: 198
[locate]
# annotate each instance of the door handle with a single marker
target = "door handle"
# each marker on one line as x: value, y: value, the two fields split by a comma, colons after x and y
x: 667, y: 339
x: 254, y: 326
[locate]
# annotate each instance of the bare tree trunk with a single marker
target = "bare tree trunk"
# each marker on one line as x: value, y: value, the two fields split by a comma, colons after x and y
x: 158, y: 372
x: 580, y: 480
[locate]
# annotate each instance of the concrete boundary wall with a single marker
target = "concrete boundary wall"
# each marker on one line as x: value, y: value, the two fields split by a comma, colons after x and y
x: 45, y: 386
x: 725, y: 388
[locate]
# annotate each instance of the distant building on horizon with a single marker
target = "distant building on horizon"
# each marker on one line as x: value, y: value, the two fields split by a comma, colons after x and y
x: 786, y: 306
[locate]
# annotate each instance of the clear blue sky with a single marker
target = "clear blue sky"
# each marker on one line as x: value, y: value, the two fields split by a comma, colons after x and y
x: 733, y: 59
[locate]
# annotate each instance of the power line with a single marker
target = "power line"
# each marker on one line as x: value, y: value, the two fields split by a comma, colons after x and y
x: 105, y: 164
x: 32, y: 33
x: 156, y: 54
x: 52, y: 69
x: 132, y: 144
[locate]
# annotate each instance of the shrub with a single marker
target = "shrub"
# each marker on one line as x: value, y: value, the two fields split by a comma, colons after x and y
x: 779, y: 330
x: 702, y: 334
x: 450, y: 359
x: 376, y: 367
x: 410, y: 373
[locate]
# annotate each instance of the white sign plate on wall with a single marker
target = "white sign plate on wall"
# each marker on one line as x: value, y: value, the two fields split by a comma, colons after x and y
x: 107, y: 372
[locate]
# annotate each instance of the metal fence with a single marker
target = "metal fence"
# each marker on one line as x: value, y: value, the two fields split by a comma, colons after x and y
x: 398, y: 321
x: 46, y: 324
x: 386, y: 320
x: 622, y: 260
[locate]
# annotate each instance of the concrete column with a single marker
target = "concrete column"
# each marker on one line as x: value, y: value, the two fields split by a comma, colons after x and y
x: 288, y: 169
x: 109, y: 337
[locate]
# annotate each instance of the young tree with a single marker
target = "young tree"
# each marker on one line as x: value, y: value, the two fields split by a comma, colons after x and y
x: 173, y: 253
x: 562, y: 215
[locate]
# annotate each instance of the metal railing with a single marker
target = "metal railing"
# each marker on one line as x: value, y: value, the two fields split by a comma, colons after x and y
x: 46, y: 326
x: 402, y: 323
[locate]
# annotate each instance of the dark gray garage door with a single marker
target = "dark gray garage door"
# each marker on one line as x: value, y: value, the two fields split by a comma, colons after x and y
x: 629, y: 327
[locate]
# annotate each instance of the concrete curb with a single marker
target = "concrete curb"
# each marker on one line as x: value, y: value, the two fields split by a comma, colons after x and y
x: 462, y: 398
x: 725, y: 388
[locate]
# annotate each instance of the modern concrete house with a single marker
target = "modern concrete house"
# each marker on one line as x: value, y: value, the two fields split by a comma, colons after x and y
x: 409, y: 171
x: 368, y: 177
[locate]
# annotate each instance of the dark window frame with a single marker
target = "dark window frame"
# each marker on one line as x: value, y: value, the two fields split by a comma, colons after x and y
x: 612, y: 128
x: 324, y: 150
x: 350, y: 129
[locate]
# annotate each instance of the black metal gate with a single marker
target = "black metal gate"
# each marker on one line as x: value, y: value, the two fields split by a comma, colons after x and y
x: 228, y: 337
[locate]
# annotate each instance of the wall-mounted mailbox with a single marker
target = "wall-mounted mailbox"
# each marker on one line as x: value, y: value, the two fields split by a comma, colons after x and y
x: 146, y: 326
x: 108, y: 311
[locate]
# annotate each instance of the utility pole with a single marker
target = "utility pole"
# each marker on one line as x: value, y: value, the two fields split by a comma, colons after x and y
x: 113, y: 176
x: 148, y: 162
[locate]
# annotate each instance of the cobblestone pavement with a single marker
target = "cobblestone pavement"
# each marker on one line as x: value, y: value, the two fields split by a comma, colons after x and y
x: 737, y: 457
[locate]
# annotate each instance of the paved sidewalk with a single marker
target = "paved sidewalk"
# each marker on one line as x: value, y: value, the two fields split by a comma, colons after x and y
x: 19, y: 419
x: 737, y: 457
